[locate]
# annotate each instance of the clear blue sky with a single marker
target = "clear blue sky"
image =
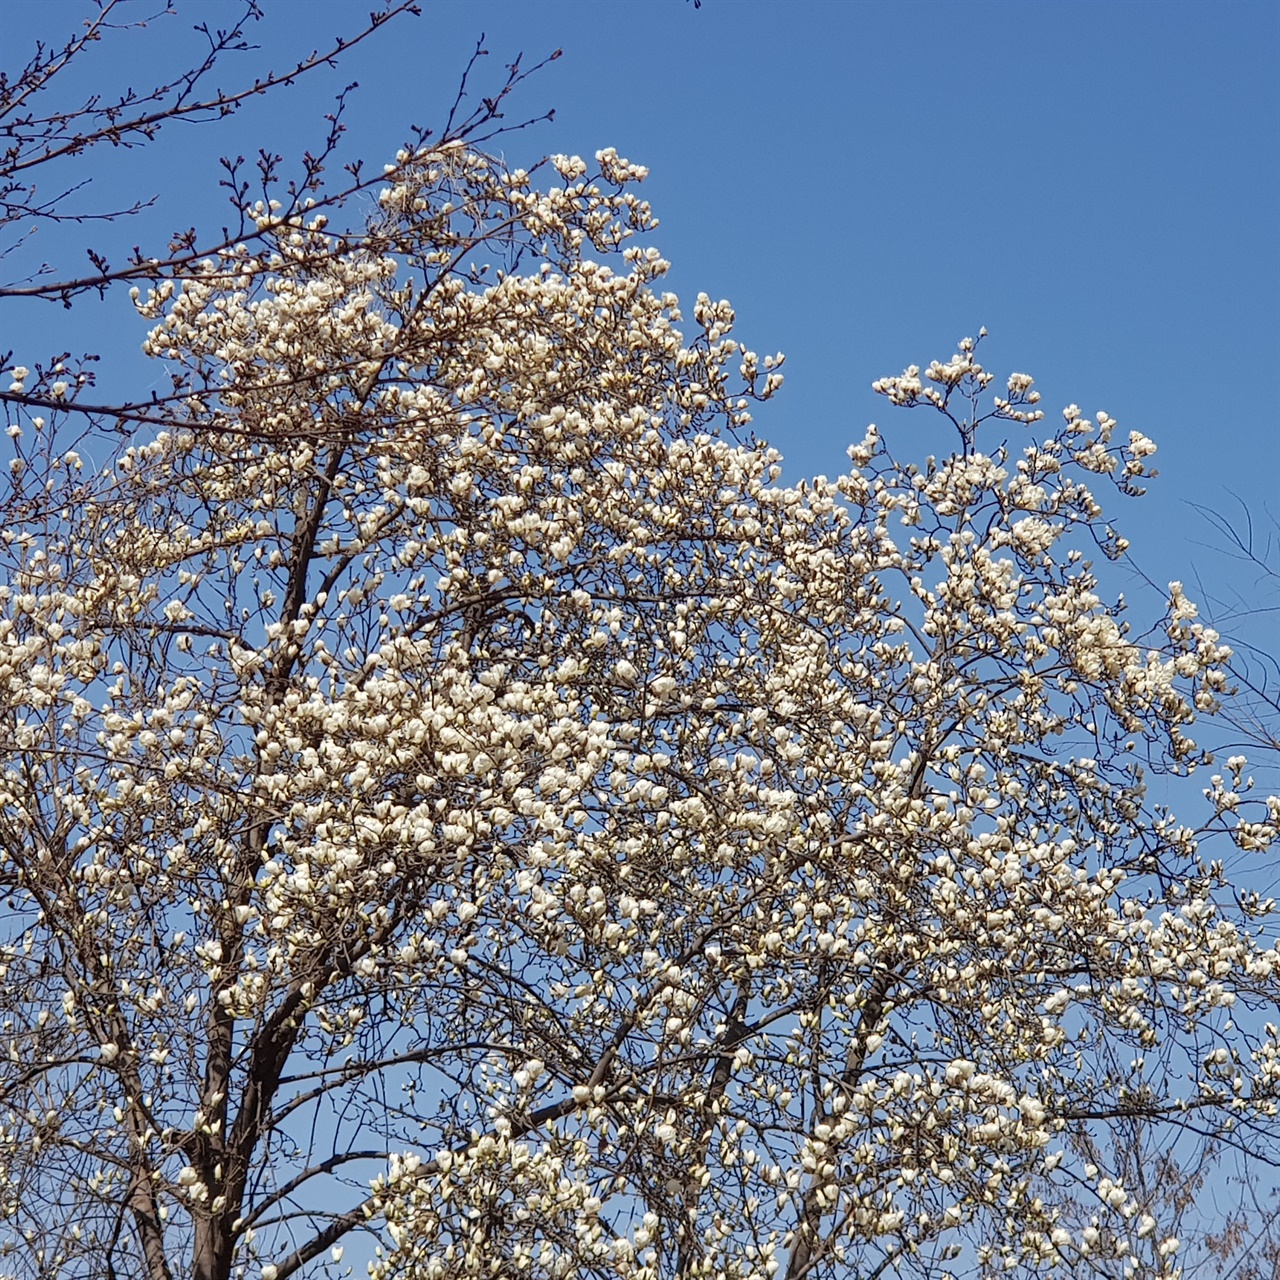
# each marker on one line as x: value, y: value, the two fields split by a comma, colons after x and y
x: 1097, y: 183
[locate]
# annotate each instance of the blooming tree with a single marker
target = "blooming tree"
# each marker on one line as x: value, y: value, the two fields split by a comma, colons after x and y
x: 42, y: 131
x: 454, y: 793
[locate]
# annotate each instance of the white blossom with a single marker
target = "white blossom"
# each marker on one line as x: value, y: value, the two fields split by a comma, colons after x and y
x: 451, y: 743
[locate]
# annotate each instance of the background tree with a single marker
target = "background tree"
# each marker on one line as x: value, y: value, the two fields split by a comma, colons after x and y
x: 44, y: 143
x: 1247, y: 612
x: 453, y: 792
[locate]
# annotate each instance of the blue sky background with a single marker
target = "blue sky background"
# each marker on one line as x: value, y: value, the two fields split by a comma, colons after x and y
x: 1096, y: 183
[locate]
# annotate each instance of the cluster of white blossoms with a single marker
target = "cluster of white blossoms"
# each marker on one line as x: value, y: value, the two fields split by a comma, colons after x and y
x: 452, y: 788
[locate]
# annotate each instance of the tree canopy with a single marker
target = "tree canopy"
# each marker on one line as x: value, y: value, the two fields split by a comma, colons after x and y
x: 453, y: 791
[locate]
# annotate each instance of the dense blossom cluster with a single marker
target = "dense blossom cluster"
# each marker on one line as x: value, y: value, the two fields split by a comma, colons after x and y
x: 451, y: 788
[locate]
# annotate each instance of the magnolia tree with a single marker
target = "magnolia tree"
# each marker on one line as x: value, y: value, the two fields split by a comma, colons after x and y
x: 456, y: 797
